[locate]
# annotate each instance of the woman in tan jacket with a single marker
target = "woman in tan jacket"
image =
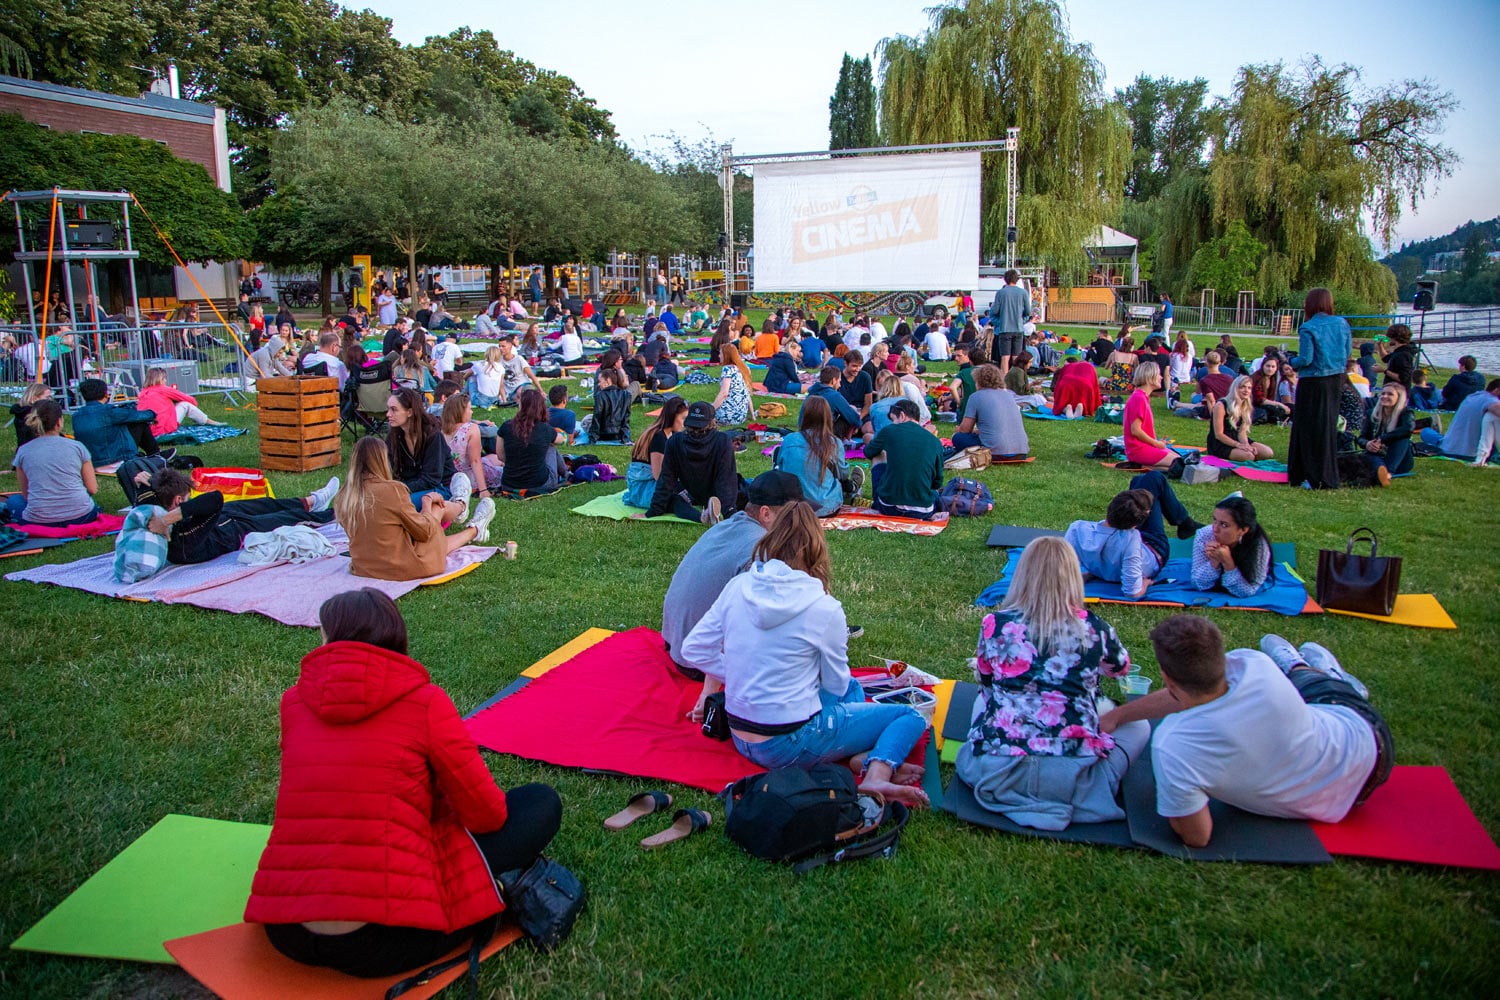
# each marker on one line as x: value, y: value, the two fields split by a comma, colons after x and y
x: 388, y: 538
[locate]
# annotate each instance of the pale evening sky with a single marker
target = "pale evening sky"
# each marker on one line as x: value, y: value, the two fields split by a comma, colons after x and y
x: 760, y: 74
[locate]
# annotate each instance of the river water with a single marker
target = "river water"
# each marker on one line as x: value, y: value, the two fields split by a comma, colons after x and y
x: 1445, y: 355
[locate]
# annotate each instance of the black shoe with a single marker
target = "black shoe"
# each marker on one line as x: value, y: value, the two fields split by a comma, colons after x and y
x: 1188, y: 528
x: 166, y: 454
x: 855, y: 631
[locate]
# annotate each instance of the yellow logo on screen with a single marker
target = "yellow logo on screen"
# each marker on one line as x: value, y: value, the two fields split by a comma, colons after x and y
x: 865, y: 226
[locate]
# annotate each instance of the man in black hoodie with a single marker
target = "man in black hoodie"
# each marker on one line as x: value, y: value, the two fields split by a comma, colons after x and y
x: 698, y: 471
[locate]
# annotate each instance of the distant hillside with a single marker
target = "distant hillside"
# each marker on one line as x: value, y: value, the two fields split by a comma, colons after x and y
x: 1461, y: 283
x: 1455, y: 240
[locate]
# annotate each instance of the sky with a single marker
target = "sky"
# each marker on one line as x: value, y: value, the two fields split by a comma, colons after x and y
x: 759, y: 74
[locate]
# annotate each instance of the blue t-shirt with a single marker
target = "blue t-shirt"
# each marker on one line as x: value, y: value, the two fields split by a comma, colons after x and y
x: 812, y: 352
x: 563, y: 419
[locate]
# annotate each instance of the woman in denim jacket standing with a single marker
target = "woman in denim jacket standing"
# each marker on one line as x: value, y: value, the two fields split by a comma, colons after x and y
x: 1323, y: 348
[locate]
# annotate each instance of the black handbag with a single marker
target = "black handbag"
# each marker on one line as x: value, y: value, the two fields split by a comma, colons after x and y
x: 544, y: 900
x: 715, y: 717
x: 1348, y: 581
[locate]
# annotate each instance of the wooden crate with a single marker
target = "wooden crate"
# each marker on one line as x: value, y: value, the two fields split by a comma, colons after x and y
x: 299, y: 423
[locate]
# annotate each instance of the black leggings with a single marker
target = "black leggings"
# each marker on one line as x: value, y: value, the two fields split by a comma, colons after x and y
x: 379, y: 950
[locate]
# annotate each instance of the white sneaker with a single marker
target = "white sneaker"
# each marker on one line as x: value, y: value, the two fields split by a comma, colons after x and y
x: 856, y: 481
x: 460, y: 490
x: 484, y: 513
x: 1320, y: 658
x: 713, y: 512
x: 323, y: 499
x: 1282, y: 652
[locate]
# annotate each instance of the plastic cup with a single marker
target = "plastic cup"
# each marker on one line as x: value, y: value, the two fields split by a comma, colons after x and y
x: 1132, y: 685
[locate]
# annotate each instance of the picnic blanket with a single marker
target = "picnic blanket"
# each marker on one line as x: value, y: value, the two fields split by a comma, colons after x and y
x: 613, y: 506
x: 237, y: 962
x: 1267, y: 470
x: 848, y: 518
x: 194, y: 434
x: 183, y: 875
x: 1046, y: 415
x: 1285, y: 596
x: 290, y: 593
x: 620, y: 706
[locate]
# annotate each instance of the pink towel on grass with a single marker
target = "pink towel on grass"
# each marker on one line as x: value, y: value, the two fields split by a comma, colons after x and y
x: 1244, y: 471
x: 104, y: 524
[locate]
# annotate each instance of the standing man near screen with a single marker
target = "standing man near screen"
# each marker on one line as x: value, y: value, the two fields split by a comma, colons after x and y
x: 1011, y: 310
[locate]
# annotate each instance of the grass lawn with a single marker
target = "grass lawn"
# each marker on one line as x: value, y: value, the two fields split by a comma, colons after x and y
x: 113, y: 714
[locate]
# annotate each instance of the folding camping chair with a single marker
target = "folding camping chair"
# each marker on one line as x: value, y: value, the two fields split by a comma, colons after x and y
x: 365, y: 396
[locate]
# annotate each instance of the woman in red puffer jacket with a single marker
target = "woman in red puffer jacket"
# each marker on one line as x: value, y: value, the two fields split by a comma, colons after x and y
x: 389, y: 829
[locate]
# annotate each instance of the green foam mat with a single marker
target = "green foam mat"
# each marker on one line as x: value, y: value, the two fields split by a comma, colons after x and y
x: 183, y: 876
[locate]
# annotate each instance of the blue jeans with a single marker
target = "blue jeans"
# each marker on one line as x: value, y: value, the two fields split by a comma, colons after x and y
x: 1166, y: 509
x: 965, y: 439
x: 441, y: 493
x: 844, y: 727
x: 1431, y: 437
x: 16, y: 505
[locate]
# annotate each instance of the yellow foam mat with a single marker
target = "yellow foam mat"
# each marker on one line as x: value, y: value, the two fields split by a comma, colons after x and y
x: 567, y: 651
x: 451, y: 576
x: 944, y: 693
x: 1416, y: 610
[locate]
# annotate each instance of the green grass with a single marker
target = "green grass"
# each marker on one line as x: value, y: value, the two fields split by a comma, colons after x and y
x: 113, y: 714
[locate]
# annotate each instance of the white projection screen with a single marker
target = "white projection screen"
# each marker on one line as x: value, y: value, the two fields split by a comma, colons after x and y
x: 868, y: 223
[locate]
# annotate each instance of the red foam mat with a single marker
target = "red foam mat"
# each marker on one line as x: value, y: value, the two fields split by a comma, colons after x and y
x: 1420, y: 816
x: 619, y: 705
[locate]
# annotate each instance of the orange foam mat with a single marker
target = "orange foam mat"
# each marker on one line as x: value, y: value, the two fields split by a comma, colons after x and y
x: 238, y: 963
x: 568, y: 650
x: 1415, y: 610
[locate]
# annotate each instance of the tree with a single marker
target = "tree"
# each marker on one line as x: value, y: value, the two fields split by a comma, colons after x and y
x: 371, y: 176
x: 985, y: 65
x: 465, y: 72
x: 1476, y: 250
x: 202, y: 222
x: 1304, y: 157
x: 288, y: 233
x: 1228, y: 264
x: 851, y: 109
x: 1169, y: 130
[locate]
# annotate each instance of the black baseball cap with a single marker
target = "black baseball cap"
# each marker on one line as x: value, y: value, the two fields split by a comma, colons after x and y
x: 700, y: 415
x: 774, y: 488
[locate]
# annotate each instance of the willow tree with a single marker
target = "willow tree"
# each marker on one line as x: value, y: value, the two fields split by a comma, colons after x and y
x: 986, y: 65
x: 1306, y: 157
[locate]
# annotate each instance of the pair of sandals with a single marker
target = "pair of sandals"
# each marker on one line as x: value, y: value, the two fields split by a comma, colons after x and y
x: 685, y: 822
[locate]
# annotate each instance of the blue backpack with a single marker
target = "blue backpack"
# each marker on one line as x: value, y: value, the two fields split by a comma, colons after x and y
x: 965, y: 498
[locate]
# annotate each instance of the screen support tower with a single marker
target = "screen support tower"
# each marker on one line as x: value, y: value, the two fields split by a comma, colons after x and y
x: 1012, y: 142
x: 726, y: 241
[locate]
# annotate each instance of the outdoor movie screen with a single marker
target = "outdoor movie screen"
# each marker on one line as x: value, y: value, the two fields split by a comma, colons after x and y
x: 868, y: 223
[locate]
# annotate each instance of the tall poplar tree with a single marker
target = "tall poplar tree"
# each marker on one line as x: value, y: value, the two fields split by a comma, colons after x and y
x: 851, y: 110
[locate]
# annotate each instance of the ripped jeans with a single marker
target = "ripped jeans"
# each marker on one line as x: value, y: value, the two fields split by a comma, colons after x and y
x: 842, y: 728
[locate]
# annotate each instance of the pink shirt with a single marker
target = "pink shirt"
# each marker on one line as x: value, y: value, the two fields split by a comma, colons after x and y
x: 161, y: 400
x: 1138, y: 407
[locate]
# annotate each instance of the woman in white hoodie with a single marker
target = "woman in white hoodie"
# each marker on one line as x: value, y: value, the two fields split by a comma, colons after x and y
x: 776, y: 642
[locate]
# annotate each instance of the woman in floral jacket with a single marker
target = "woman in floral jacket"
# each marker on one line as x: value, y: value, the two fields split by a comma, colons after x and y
x: 1034, y: 751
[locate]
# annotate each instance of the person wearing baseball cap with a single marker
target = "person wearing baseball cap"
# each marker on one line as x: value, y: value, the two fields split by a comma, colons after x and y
x: 723, y: 551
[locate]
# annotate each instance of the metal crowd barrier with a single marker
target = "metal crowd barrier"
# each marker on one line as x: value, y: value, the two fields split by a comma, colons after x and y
x: 200, y: 358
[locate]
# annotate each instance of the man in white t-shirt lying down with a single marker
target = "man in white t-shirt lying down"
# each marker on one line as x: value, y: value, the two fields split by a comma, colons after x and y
x: 1283, y: 732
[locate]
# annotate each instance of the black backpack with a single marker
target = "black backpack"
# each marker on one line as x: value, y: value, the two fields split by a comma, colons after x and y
x: 132, y: 467
x: 812, y: 817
